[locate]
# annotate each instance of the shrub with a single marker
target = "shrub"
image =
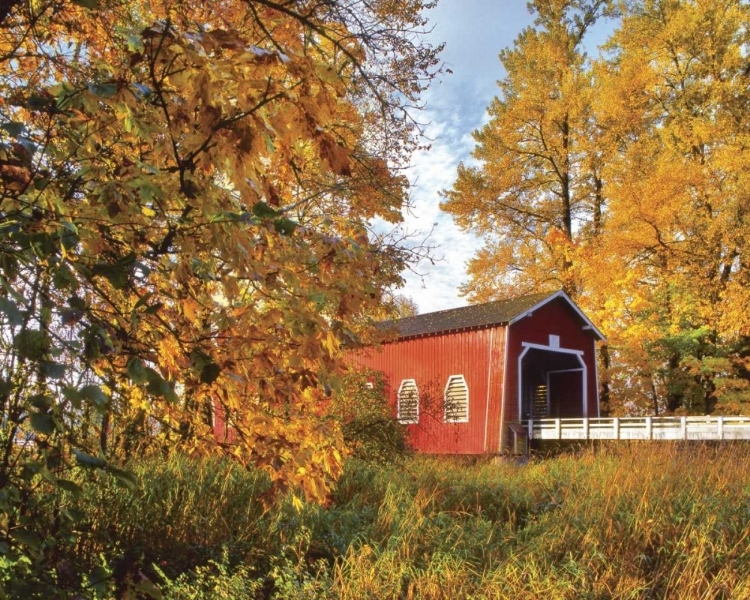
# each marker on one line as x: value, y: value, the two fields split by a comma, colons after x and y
x: 370, y: 429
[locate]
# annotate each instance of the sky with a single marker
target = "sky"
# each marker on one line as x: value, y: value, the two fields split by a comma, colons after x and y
x: 474, y: 32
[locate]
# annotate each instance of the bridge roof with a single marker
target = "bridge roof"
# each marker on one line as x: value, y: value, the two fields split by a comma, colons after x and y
x: 465, y: 317
x: 499, y: 312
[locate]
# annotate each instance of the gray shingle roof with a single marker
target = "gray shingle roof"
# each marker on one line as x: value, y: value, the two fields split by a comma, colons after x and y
x: 475, y: 315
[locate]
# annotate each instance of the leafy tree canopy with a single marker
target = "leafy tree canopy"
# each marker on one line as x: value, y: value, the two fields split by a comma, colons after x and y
x: 185, y: 192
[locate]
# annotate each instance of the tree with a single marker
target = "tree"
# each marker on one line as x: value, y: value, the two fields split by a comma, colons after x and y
x: 404, y: 306
x: 536, y: 190
x: 537, y: 196
x: 674, y: 103
x: 185, y: 196
x: 623, y: 181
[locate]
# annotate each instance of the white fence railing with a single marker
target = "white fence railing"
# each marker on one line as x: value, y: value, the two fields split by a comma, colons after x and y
x: 641, y: 428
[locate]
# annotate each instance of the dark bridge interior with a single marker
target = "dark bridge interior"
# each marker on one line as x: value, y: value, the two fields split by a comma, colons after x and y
x: 552, y: 385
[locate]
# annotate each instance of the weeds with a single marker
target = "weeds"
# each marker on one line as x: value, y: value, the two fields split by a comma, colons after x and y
x: 633, y: 521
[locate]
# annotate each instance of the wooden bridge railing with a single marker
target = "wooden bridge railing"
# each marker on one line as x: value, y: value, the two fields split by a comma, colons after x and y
x: 641, y: 428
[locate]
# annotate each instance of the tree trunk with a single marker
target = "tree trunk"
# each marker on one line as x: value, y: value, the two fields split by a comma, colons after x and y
x: 605, y: 392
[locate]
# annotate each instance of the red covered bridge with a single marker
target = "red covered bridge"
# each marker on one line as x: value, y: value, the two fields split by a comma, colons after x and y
x: 461, y: 378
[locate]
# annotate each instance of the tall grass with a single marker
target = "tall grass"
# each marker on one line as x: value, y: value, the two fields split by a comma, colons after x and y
x: 623, y: 521
x: 633, y: 521
x: 183, y: 512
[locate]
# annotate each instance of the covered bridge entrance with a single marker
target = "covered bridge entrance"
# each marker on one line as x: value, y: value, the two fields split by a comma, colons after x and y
x: 553, y: 383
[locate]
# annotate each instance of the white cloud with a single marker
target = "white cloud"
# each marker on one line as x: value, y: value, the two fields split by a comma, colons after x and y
x: 474, y: 31
x: 431, y: 172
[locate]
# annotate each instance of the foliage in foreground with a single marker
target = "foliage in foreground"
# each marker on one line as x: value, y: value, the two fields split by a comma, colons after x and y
x: 636, y: 521
x: 186, y: 192
x: 185, y: 206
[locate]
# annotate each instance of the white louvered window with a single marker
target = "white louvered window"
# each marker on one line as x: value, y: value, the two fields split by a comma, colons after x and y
x: 456, y: 400
x: 408, y: 402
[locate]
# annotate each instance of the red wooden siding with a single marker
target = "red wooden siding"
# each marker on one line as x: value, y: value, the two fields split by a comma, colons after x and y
x: 556, y: 318
x: 478, y: 355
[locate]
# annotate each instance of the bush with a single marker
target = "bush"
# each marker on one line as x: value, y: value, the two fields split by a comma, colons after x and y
x: 216, y: 580
x: 371, y: 432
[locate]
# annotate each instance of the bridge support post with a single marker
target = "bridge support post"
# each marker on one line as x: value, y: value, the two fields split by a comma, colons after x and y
x: 558, y: 429
x: 683, y: 427
x: 616, y: 428
x: 649, y: 429
x: 530, y: 437
x: 720, y: 427
x: 585, y: 428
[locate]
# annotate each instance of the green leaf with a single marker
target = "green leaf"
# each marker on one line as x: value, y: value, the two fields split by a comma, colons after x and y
x: 158, y: 386
x: 146, y: 189
x: 68, y: 234
x: 87, y: 460
x: 42, y: 401
x: 9, y: 265
x: 153, y: 309
x: 77, y: 303
x: 199, y: 359
x: 31, y: 344
x: 41, y: 183
x: 73, y: 396
x: 202, y: 269
x: 118, y: 273
x: 95, y: 394
x: 52, y: 370
x: 98, y: 579
x: 143, y: 300
x: 64, y: 279
x: 28, y: 539
x: 264, y: 211
x: 319, y: 298
x: 103, y: 90
x: 43, y: 244
x: 126, y: 478
x: 136, y: 371
x: 285, y: 226
x: 118, y: 278
x: 42, y: 422
x: 30, y: 470
x: 75, y: 515
x: 210, y: 373
x: 14, y: 128
x: 11, y: 311
x: 147, y: 589
x: 124, y: 261
x: 69, y: 486
x: 39, y: 101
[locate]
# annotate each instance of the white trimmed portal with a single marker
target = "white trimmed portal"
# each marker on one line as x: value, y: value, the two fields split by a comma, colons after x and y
x: 551, y: 368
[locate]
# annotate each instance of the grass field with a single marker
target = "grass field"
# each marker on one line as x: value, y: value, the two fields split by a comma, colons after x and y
x: 621, y: 521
